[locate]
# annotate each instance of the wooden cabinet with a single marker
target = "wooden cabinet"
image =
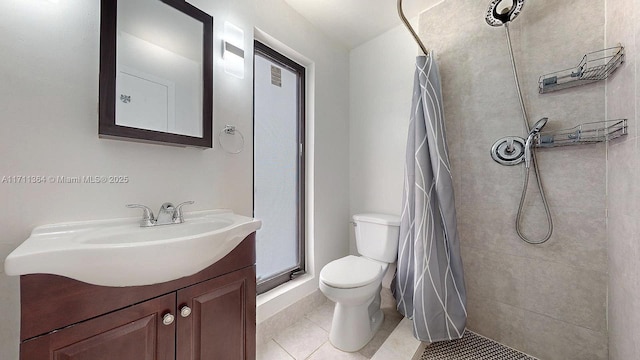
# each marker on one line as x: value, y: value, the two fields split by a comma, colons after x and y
x: 219, y: 318
x: 207, y: 316
x: 134, y: 333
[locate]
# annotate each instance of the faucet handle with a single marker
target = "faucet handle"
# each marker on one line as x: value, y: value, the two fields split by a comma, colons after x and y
x: 147, y: 214
x: 167, y: 207
x: 178, y: 216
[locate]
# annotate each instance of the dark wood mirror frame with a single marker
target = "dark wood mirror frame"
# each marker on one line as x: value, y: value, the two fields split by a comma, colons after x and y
x: 107, y: 88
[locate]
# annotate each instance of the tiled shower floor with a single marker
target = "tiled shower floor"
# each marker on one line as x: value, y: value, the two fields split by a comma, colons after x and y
x: 472, y: 347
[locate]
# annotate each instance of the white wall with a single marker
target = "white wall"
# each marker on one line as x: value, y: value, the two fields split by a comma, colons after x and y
x: 381, y: 76
x: 48, y: 112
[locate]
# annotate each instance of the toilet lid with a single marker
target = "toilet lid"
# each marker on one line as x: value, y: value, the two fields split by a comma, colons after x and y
x: 350, y: 272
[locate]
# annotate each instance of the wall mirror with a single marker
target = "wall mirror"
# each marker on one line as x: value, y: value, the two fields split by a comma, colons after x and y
x: 156, y: 69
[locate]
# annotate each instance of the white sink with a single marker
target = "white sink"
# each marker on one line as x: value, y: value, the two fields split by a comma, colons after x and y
x: 121, y: 253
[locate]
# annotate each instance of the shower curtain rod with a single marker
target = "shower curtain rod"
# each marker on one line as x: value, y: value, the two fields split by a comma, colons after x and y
x: 406, y: 23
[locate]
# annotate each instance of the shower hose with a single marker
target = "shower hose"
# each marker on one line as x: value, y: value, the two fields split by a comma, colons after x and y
x: 533, y: 157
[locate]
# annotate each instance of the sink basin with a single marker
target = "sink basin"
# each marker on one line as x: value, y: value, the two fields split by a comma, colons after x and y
x: 121, y: 253
x: 126, y: 235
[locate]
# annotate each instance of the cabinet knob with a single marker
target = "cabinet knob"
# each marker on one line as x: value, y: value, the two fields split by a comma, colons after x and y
x: 185, y: 311
x: 167, y: 319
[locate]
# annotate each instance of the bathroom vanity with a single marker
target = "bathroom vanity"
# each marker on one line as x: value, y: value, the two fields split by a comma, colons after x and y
x: 208, y: 315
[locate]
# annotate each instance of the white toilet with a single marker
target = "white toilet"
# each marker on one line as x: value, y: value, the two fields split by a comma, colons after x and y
x: 354, y: 282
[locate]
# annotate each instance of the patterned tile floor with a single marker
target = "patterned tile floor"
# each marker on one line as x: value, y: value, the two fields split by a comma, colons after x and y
x: 472, y: 347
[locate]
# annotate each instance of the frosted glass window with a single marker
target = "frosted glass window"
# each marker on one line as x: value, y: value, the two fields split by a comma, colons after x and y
x: 277, y: 168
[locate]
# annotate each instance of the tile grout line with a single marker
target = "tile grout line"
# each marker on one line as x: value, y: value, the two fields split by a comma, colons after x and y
x: 545, y: 315
x: 315, y: 323
x: 571, y: 265
x: 282, y: 347
x: 316, y: 350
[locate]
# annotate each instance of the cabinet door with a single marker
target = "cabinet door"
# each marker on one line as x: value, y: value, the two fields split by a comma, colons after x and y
x: 222, y: 322
x: 133, y: 333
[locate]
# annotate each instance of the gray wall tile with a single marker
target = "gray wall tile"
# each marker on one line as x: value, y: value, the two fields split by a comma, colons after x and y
x: 623, y: 185
x: 500, y: 322
x: 550, y: 339
x: 574, y: 295
x: 494, y: 276
x: 508, y: 280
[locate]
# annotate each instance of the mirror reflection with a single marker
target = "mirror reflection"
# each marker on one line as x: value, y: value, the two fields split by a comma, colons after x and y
x: 159, y: 68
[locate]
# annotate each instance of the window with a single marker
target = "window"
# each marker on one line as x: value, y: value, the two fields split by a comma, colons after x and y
x: 279, y: 168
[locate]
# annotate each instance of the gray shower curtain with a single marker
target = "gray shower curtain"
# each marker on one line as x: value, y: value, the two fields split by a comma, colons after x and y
x: 429, y: 283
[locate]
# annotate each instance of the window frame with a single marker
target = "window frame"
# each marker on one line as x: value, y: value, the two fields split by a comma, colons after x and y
x: 263, y: 50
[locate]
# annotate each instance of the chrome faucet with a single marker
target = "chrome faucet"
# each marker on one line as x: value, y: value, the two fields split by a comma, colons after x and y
x: 168, y: 214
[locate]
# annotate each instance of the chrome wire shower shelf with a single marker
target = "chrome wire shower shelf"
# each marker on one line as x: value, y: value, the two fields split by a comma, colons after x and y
x: 586, y: 133
x: 595, y: 66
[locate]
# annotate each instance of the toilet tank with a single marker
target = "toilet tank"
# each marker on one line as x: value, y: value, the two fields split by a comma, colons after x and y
x: 377, y: 236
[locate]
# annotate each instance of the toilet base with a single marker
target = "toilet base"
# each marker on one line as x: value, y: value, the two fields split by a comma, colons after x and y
x: 351, y: 328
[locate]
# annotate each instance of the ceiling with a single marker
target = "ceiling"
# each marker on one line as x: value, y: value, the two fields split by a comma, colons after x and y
x: 354, y: 22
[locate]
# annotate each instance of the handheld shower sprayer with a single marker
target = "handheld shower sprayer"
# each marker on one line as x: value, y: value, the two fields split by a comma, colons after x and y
x: 535, y: 130
x: 514, y: 150
x: 539, y: 125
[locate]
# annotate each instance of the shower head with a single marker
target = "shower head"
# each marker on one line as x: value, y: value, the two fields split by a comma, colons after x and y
x: 538, y: 125
x: 500, y: 14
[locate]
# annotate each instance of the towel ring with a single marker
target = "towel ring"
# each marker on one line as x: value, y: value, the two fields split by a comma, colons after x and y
x: 229, y: 142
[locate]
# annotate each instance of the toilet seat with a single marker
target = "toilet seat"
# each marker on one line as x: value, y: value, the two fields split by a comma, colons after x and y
x: 350, y: 272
